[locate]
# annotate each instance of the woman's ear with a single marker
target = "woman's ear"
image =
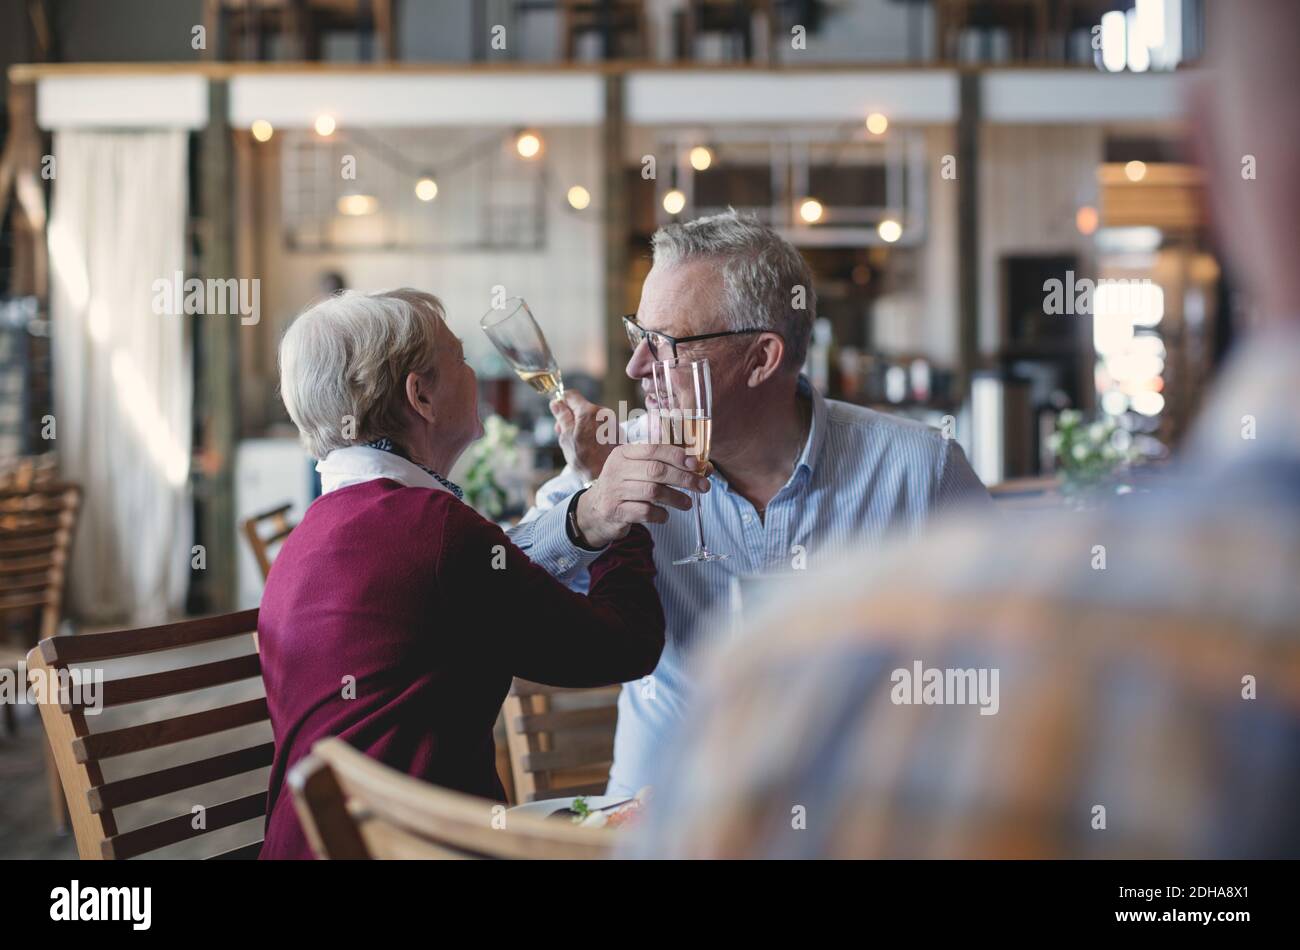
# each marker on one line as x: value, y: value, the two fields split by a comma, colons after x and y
x: 419, y: 396
x: 765, y: 356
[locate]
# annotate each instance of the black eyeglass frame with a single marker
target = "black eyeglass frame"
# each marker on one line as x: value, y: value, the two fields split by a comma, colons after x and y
x: 630, y: 324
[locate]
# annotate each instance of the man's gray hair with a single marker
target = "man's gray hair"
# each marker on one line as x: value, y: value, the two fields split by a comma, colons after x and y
x: 764, y: 277
x: 344, y: 363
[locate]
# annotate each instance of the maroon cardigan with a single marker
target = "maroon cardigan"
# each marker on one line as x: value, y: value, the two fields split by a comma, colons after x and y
x: 389, y: 620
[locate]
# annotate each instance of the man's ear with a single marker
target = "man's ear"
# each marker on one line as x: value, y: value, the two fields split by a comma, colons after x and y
x: 765, y: 358
x: 419, y: 396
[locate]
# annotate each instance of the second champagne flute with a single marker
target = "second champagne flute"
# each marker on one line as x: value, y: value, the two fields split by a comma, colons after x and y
x: 684, y: 408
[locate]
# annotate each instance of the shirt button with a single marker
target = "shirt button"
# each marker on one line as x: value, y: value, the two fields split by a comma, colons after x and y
x: 748, y: 519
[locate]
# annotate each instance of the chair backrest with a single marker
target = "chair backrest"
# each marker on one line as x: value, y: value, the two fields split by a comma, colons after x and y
x: 265, y: 531
x: 29, y: 471
x: 353, y: 807
x: 173, y: 705
x: 561, y: 741
x: 36, y: 525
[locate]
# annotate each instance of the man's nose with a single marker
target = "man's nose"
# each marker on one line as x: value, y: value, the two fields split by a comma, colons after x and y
x: 638, y: 367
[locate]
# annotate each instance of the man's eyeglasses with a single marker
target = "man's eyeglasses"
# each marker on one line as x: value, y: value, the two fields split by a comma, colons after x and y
x: 661, y: 343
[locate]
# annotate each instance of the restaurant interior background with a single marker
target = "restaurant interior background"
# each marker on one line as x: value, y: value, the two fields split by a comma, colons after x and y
x: 938, y: 163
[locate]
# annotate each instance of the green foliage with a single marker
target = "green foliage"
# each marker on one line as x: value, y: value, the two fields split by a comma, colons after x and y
x: 498, y: 450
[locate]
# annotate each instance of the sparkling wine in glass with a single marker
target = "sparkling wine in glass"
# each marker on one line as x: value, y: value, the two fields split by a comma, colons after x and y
x: 684, y: 411
x: 514, y: 332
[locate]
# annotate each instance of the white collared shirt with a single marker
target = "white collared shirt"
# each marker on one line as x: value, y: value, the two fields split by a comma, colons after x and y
x: 360, y: 463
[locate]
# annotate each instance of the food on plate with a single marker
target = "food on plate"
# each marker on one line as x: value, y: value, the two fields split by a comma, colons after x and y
x: 616, y: 816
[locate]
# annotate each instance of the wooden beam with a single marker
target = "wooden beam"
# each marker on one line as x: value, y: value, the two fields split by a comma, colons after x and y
x: 32, y: 72
x: 968, y: 260
x: 615, y: 230
x: 217, y: 359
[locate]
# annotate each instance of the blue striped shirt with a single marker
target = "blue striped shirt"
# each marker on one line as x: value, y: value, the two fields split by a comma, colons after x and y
x: 862, y: 476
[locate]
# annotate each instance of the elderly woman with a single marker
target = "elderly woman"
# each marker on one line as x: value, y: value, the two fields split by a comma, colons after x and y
x: 395, y: 616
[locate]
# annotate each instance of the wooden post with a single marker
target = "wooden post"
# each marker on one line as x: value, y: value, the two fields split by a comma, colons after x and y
x: 968, y: 246
x: 216, y: 403
x: 20, y: 179
x: 617, y: 387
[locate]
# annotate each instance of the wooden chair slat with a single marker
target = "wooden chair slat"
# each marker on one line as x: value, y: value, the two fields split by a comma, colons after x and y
x: 323, y: 812
x: 26, y: 565
x: 248, y: 852
x: 150, y: 735
x: 11, y: 587
x: 564, y: 791
x: 23, y: 603
x: 25, y: 546
x: 577, y: 756
x: 274, y: 512
x: 565, y: 719
x: 141, y: 788
x: 46, y: 489
x: 395, y: 815
x: 134, y: 689
x: 278, y: 536
x: 118, y: 643
x: 525, y: 688
x: 170, y: 831
x: 25, y: 524
x: 384, y: 842
x: 277, y: 519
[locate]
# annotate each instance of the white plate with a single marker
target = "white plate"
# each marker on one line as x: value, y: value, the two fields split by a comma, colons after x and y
x: 548, y: 806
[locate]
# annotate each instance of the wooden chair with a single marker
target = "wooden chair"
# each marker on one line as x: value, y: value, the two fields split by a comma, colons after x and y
x: 250, y: 24
x: 37, y: 520
x: 613, y: 20
x: 354, y: 807
x: 561, y: 741
x: 734, y: 19
x: 1026, y: 22
x: 265, y: 531
x: 36, y: 526
x: 96, y: 803
x: 29, y: 471
x: 11, y: 662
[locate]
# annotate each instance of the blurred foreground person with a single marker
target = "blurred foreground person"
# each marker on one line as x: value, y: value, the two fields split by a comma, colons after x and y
x: 1119, y: 684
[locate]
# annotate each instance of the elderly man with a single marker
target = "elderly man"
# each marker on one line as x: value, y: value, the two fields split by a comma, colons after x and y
x: 1148, y: 702
x: 795, y: 475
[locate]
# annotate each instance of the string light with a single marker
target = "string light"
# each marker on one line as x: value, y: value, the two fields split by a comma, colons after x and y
x: 701, y: 158
x: 1135, y: 171
x: 877, y: 123
x: 889, y: 230
x: 674, y: 201
x: 262, y: 130
x: 579, y: 197
x: 426, y: 189
x: 528, y: 144
x: 811, y: 210
x: 357, y: 205
x: 325, y: 125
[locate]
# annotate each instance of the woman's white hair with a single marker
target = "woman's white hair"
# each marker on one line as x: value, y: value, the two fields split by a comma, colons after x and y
x: 344, y: 363
x: 766, y: 282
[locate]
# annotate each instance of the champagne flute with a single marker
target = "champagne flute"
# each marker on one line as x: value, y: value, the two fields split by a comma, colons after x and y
x: 514, y: 332
x: 684, y: 409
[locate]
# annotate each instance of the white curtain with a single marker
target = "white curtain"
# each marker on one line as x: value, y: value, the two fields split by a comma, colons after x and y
x: 122, y: 376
